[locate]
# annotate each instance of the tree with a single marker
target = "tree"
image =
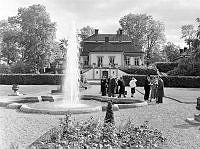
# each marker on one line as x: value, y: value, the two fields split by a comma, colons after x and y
x: 144, y: 31
x: 10, y: 50
x: 85, y: 32
x: 154, y: 37
x: 171, y: 51
x: 36, y: 36
x: 188, y: 33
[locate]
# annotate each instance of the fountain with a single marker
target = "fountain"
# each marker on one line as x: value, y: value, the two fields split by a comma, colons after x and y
x: 70, y: 100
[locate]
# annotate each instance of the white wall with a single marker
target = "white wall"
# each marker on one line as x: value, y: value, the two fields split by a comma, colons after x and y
x: 94, y: 59
x: 92, y: 73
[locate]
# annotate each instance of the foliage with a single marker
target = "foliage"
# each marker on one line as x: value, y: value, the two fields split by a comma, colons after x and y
x: 144, y: 32
x: 188, y: 33
x: 10, y: 51
x: 30, y: 79
x: 85, y: 32
x: 186, y: 67
x: 169, y: 81
x: 19, y: 67
x: 36, y: 35
x: 172, y: 51
x: 93, y: 134
x: 4, y: 69
x: 166, y: 66
x: 139, y: 70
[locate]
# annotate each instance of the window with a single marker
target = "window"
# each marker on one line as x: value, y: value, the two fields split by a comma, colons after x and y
x: 111, y: 60
x: 100, y: 61
x: 85, y: 61
x: 137, y: 61
x: 127, y: 61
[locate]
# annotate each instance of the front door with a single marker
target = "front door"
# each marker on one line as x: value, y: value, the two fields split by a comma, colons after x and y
x: 105, y: 73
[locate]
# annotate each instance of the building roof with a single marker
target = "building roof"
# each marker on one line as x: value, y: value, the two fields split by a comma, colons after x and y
x: 111, y: 47
x: 109, y: 43
x: 112, y: 38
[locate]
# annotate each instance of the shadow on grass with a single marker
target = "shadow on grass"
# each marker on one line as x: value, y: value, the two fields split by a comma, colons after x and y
x: 185, y: 126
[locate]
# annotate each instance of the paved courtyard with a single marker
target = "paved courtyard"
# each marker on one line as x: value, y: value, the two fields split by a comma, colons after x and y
x: 169, y: 117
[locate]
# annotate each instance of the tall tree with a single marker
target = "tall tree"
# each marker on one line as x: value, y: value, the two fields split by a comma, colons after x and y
x: 144, y: 32
x: 171, y: 51
x: 154, y: 37
x: 188, y: 33
x: 36, y: 36
x: 10, y: 50
x: 134, y: 25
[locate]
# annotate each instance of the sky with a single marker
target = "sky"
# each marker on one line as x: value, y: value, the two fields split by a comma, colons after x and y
x: 105, y: 14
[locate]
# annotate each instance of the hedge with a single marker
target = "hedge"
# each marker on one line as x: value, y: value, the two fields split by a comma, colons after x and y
x: 140, y: 70
x: 166, y: 66
x: 55, y: 79
x: 30, y: 79
x: 169, y: 81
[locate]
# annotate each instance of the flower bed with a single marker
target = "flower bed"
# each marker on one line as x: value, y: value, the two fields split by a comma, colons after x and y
x: 95, y: 134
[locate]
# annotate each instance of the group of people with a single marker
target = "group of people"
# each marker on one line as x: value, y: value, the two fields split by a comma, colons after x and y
x: 154, y: 88
x: 112, y: 86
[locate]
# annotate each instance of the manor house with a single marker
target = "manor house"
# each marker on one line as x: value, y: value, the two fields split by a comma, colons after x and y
x: 106, y: 53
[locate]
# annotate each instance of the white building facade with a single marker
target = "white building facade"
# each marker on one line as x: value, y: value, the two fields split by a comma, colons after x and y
x: 105, y: 54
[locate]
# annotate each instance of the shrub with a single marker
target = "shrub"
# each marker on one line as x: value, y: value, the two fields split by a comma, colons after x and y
x: 19, y: 67
x: 186, y: 68
x: 166, y: 66
x: 4, y: 69
x: 169, y: 81
x: 93, y: 134
x: 30, y: 79
x: 140, y: 70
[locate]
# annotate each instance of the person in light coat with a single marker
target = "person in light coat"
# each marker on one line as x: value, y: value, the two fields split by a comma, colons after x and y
x: 132, y: 84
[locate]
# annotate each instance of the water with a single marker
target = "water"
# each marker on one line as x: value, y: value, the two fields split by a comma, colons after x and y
x: 72, y: 72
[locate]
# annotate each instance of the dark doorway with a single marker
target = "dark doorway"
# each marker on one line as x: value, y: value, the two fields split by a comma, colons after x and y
x: 105, y: 73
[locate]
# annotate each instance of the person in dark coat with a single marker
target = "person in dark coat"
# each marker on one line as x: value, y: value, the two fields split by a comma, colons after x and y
x: 103, y: 86
x: 121, y: 85
x: 109, y: 86
x: 116, y: 88
x: 113, y: 86
x: 160, y: 90
x: 147, y: 87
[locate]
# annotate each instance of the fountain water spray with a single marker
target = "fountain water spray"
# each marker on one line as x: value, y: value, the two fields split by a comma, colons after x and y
x: 71, y: 72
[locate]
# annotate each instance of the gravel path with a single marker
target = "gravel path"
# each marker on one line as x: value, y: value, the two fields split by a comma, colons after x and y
x: 169, y: 117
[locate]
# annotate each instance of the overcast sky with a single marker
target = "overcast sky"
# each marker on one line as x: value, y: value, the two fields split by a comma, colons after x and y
x: 105, y: 14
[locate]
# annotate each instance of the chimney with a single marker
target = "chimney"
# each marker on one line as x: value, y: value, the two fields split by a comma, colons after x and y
x: 185, y: 49
x: 96, y: 31
x: 181, y: 51
x: 120, y: 31
x: 106, y: 39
